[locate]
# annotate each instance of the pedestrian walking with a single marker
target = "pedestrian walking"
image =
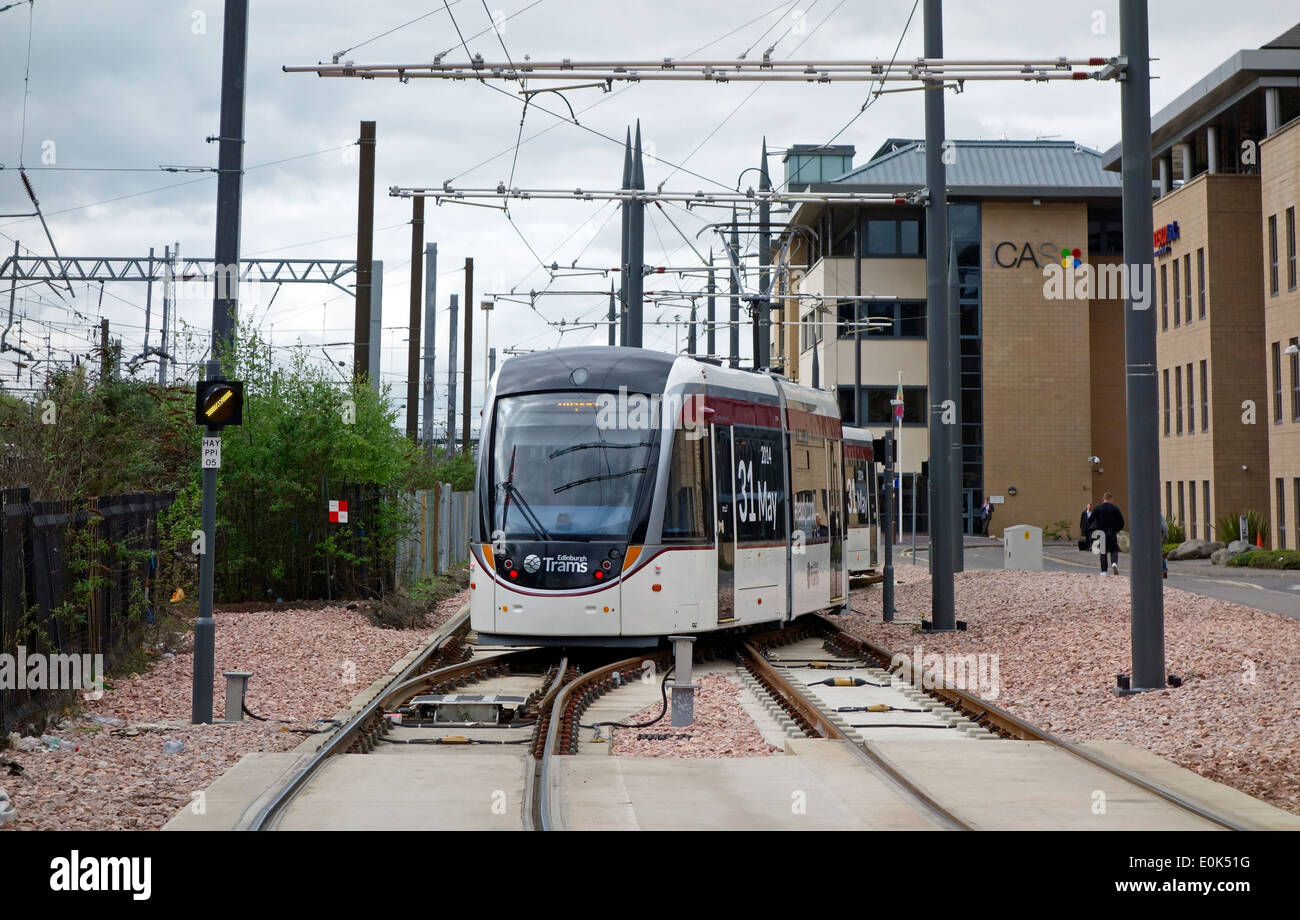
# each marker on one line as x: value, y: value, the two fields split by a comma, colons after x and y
x: 1107, y: 518
x: 986, y: 515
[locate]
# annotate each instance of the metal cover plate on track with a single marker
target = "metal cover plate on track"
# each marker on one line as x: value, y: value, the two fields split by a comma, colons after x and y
x: 467, y: 707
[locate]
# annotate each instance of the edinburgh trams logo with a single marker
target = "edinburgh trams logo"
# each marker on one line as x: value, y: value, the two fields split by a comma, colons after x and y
x: 565, y: 563
x: 532, y: 564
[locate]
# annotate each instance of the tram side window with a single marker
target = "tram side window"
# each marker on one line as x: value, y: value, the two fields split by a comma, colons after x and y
x: 759, y: 483
x: 688, y: 505
x: 809, y: 486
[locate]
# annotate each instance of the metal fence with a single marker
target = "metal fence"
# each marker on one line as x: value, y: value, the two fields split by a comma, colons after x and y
x: 438, y: 538
x: 280, y: 544
x: 76, y: 578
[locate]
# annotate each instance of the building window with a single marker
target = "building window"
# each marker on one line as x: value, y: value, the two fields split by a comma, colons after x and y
x: 1177, y: 298
x: 1277, y: 382
x: 1169, y: 500
x: 1205, y: 493
x: 1164, y: 299
x: 1105, y: 231
x: 1190, y: 531
x: 1205, y: 396
x: 904, y: 319
x: 1295, y: 488
x: 876, y: 408
x: 1200, y: 278
x: 1191, y: 402
x: 810, y: 329
x: 887, y: 237
x: 1166, y: 373
x: 1178, y: 399
x: 1290, y: 248
x: 1187, y: 285
x: 1295, y: 381
x: 1182, y: 511
x: 1281, y: 514
x: 1272, y: 254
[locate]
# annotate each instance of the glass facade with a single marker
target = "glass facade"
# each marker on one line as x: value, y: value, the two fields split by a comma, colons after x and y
x: 964, y: 224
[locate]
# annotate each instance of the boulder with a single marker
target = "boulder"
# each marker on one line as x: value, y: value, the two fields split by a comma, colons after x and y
x: 1221, y: 556
x: 1215, y: 546
x: 1239, y: 546
x: 1122, y: 539
x: 1191, y: 549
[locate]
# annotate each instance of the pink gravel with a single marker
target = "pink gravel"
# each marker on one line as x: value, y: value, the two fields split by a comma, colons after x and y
x: 307, y: 664
x: 1061, y: 638
x: 722, y: 728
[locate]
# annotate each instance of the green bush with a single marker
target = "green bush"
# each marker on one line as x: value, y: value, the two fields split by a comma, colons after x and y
x: 1164, y: 550
x: 1267, y: 559
x: 1060, y: 530
x: 305, y: 430
x: 1226, y: 527
x: 1177, y: 533
x: 81, y: 436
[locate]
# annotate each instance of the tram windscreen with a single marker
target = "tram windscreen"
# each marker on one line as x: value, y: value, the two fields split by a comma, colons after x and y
x: 569, y: 466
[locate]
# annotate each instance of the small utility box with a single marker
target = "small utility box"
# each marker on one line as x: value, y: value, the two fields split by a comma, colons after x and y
x: 1024, y: 548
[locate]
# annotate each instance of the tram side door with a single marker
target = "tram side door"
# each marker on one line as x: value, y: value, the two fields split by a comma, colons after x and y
x: 835, y: 509
x: 724, y: 487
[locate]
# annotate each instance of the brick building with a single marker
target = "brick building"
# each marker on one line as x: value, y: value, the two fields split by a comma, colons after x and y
x: 1042, y: 380
x: 1227, y: 157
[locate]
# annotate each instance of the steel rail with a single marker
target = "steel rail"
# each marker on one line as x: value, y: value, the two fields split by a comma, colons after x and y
x: 1009, y: 725
x: 535, y: 789
x: 561, y: 730
x: 810, y: 717
x: 356, y: 728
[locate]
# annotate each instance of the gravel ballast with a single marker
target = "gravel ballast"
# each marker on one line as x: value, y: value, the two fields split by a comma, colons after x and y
x: 722, y: 728
x: 1061, y: 638
x: 307, y: 664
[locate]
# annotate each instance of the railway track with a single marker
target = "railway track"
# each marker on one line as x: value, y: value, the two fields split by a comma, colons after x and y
x: 556, y: 688
x: 447, y: 668
x: 453, y: 668
x: 811, y: 714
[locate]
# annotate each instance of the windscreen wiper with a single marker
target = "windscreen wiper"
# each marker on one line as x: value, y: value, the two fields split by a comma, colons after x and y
x: 525, y: 509
x: 566, y: 450
x: 511, y: 490
x: 579, y: 482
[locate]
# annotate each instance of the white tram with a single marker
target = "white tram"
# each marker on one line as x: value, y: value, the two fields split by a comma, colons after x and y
x: 624, y: 494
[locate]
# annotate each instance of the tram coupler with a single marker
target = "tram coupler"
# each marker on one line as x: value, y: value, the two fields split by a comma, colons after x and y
x: 683, y: 685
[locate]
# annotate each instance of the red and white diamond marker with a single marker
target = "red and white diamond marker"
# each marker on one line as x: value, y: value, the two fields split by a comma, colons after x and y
x: 338, y: 512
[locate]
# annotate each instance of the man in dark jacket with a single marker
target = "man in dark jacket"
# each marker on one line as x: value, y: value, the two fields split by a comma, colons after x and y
x: 986, y: 515
x: 1107, y: 518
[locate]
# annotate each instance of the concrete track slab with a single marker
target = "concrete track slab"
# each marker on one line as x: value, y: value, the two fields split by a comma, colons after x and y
x: 446, y: 790
x: 1215, y: 797
x: 823, y: 787
x: 237, y: 795
x: 1030, y: 785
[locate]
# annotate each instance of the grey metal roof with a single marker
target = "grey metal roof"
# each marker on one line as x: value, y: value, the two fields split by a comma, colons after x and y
x: 1288, y: 39
x: 1003, y: 167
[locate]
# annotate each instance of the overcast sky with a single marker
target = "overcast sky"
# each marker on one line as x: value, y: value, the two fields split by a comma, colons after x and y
x: 132, y: 85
